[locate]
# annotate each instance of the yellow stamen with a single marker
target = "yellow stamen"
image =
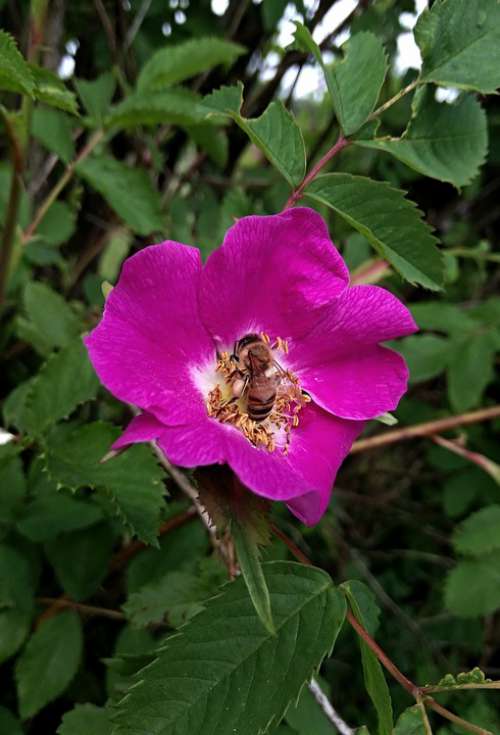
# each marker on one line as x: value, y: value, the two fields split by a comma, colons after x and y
x: 228, y: 409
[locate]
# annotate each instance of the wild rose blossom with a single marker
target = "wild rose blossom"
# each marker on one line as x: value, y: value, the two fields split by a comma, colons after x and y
x: 170, y: 325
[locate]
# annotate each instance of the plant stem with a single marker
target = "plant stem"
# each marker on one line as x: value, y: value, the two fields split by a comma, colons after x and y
x: 9, y: 230
x: 125, y: 554
x: 336, y: 148
x: 18, y: 146
x: 417, y: 692
x: 65, y: 178
x: 427, y: 428
x: 425, y: 719
x: 437, y: 689
x: 328, y: 708
x: 402, y: 93
x: 64, y: 602
x: 474, y: 255
x: 452, y: 717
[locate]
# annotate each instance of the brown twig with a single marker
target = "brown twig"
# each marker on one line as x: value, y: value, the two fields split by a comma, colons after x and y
x: 487, y: 465
x: 64, y: 602
x: 65, y: 178
x: 427, y: 428
x: 124, y: 555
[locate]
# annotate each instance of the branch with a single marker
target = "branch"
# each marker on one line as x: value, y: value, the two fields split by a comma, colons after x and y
x: 65, y: 602
x: 428, y: 428
x: 417, y: 692
x: 65, y: 178
x: 402, y: 92
x: 328, y: 708
x: 297, y: 194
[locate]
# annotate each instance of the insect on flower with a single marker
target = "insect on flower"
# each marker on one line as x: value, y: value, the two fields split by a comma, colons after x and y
x: 264, y: 358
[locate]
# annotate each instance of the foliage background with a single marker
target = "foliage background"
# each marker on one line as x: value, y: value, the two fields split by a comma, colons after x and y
x: 419, y: 525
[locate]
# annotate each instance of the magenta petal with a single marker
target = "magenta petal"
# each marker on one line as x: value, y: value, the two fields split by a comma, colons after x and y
x: 318, y: 447
x: 151, y: 338
x: 196, y: 444
x: 341, y: 364
x: 142, y: 428
x: 273, y: 274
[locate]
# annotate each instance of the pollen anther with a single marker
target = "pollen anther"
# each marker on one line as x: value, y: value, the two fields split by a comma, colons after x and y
x: 227, y: 403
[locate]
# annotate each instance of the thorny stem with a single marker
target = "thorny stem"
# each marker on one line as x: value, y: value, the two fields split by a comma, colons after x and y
x: 419, y: 693
x: 428, y: 428
x: 297, y: 194
x: 65, y: 178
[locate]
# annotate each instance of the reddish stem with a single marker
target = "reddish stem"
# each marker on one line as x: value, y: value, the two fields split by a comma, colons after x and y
x: 427, y: 428
x: 297, y: 194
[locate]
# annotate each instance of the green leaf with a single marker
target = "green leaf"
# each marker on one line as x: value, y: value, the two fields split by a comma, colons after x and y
x: 58, y: 224
x: 182, y: 550
x: 279, y: 137
x: 81, y: 559
x: 53, y: 513
x: 441, y: 316
x: 375, y: 682
x: 16, y: 600
x: 178, y: 595
x: 212, y: 140
x: 445, y: 141
x: 15, y: 74
x: 52, y: 319
x: 9, y: 725
x: 64, y: 381
x: 355, y: 82
x: 410, y: 722
x: 472, y: 588
x: 426, y: 354
x: 96, y: 95
x: 176, y: 106
x: 12, y: 484
x: 475, y: 676
x: 133, y: 480
x: 51, y: 90
x: 128, y: 191
x: 115, y: 252
x: 470, y: 370
x: 85, y: 719
x: 224, y: 672
x: 479, y: 533
x: 248, y: 555
x: 460, y: 44
x: 131, y: 645
x: 49, y: 662
x: 391, y: 223
x: 184, y: 60
x: 225, y: 100
x: 54, y: 130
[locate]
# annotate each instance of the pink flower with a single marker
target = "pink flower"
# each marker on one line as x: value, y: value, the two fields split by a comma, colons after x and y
x: 169, y: 328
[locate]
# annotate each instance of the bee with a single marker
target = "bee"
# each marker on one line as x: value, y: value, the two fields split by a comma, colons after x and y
x: 257, y: 376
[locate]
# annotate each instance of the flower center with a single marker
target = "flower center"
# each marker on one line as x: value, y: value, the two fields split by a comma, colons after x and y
x: 255, y: 394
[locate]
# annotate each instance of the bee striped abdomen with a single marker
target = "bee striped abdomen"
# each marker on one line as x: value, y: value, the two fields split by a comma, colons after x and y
x: 261, y: 398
